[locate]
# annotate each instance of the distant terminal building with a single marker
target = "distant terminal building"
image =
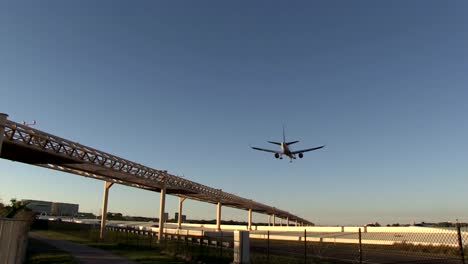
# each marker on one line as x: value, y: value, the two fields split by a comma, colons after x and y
x: 65, y: 209
x: 52, y: 208
x: 41, y: 207
x: 176, y: 217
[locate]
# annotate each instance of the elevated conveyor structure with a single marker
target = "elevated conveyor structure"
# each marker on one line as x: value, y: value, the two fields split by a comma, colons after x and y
x: 25, y: 144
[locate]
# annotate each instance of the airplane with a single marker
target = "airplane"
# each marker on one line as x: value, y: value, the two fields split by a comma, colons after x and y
x: 285, y: 150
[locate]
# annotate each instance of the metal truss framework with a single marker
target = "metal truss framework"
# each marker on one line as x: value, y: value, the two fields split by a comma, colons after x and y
x: 25, y: 144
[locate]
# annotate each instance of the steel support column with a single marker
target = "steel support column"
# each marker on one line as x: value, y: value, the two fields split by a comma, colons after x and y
x: 162, y: 205
x: 218, y: 217
x: 105, y: 197
x: 179, y: 221
x: 250, y: 220
x: 3, y: 118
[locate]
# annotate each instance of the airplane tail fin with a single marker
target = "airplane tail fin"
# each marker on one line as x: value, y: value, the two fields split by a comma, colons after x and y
x: 273, y: 142
x: 292, y: 142
x: 284, y: 136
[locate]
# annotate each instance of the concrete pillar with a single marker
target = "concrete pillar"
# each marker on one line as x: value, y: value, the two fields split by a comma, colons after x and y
x: 241, y: 247
x: 105, y: 197
x: 3, y: 118
x: 249, y: 227
x: 281, y: 221
x: 269, y: 220
x: 287, y: 221
x: 274, y: 220
x: 218, y: 217
x: 179, y: 221
x: 162, y: 205
x: 296, y: 222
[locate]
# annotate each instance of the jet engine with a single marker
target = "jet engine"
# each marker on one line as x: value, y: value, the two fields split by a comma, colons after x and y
x: 301, y: 155
x: 276, y: 155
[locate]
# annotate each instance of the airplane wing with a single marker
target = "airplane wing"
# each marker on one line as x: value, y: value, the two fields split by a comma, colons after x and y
x: 267, y: 150
x: 305, y: 150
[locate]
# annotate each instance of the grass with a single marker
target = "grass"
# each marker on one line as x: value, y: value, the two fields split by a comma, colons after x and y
x: 140, y: 254
x: 63, y: 236
x: 40, y: 253
x: 141, y: 248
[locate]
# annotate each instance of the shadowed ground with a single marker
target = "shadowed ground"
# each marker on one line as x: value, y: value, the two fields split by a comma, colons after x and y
x: 83, y: 254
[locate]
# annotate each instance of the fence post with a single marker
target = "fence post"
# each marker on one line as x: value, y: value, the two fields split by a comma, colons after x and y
x: 460, y: 244
x: 221, y: 250
x: 360, y: 247
x: 201, y: 251
x: 305, y: 246
x: 138, y: 238
x: 241, y: 247
x: 268, y: 247
x: 186, y: 243
x: 150, y: 235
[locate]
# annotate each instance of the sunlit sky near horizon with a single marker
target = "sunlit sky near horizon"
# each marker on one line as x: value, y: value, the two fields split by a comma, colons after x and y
x: 188, y: 86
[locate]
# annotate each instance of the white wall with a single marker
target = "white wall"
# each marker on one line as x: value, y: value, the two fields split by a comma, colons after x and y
x: 13, y: 240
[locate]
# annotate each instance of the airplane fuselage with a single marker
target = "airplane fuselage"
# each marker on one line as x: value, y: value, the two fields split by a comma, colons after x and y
x: 286, y: 151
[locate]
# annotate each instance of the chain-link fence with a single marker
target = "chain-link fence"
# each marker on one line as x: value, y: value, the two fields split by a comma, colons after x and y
x: 362, y: 245
x: 350, y: 245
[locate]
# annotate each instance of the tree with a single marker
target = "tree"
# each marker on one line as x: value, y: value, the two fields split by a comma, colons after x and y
x: 17, y: 210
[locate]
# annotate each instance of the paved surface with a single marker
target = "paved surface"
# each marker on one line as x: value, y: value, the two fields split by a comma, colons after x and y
x: 83, y: 254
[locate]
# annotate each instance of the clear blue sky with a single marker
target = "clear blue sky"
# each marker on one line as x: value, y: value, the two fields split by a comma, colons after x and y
x: 187, y: 86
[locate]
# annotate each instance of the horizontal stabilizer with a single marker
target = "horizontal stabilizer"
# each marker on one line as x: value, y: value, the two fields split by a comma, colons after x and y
x: 276, y: 143
x: 292, y: 142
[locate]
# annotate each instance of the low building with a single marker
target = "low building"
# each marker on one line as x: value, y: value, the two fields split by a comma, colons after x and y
x: 52, y: 208
x: 176, y: 217
x: 64, y: 209
x: 40, y: 207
